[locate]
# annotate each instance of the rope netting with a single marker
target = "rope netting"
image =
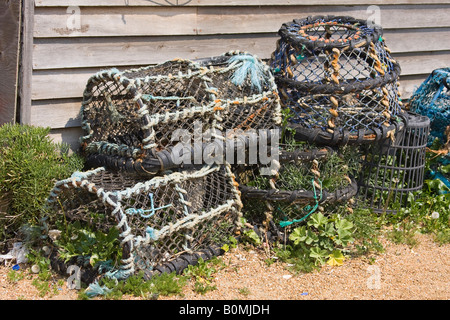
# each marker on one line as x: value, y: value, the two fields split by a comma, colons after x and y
x: 159, y: 219
x: 432, y: 99
x: 131, y: 116
x: 295, y: 188
x: 337, y: 76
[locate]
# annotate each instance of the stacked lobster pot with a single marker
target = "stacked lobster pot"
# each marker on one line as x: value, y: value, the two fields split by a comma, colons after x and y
x: 338, y: 78
x: 339, y: 83
x: 154, y: 140
x: 277, y: 197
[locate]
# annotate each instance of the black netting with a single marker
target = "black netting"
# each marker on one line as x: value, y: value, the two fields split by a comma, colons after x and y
x: 290, y: 190
x: 130, y: 116
x: 338, y: 78
x: 393, y: 170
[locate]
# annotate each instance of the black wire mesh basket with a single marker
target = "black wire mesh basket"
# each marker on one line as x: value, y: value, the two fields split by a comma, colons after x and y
x: 293, y: 190
x: 391, y: 171
x: 161, y: 219
x: 339, y: 80
x: 133, y: 119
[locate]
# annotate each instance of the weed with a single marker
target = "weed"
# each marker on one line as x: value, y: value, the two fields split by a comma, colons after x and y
x: 244, y: 291
x: 15, y: 276
x: 165, y: 284
x: 30, y: 164
x: 202, y: 274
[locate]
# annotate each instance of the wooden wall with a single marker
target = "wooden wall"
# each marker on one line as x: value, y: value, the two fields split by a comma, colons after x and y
x: 10, y: 25
x: 129, y: 33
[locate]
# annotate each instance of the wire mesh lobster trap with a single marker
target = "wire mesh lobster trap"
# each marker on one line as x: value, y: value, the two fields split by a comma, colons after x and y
x: 294, y: 189
x: 134, y: 118
x: 161, y: 219
x: 393, y: 170
x: 339, y: 80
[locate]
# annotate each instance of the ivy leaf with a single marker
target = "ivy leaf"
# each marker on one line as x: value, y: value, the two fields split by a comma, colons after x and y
x: 298, y: 235
x: 318, y: 220
x: 311, y: 237
x: 336, y: 258
x: 343, y: 224
x: 318, y: 254
x: 344, y: 237
x: 329, y: 230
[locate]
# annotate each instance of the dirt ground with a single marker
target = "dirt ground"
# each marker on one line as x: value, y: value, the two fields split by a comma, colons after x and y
x: 400, y: 273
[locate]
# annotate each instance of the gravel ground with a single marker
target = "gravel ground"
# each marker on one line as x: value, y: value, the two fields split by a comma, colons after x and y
x: 400, y: 273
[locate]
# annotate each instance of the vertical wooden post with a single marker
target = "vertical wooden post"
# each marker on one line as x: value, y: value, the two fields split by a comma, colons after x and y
x: 26, y: 62
x: 10, y: 26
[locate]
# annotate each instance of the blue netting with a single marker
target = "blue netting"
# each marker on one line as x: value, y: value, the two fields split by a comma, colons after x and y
x: 432, y: 99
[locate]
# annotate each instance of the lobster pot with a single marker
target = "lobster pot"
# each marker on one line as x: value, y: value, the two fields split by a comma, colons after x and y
x: 159, y: 219
x: 392, y: 170
x: 133, y: 119
x: 279, y: 195
x: 337, y: 77
x: 432, y: 99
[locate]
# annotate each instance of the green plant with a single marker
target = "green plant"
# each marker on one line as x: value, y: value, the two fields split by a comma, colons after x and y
x: 44, y: 281
x: 244, y: 291
x: 30, y: 164
x: 366, y: 232
x: 165, y: 284
x: 202, y: 275
x: 320, y: 241
x: 94, y: 246
x: 14, y: 276
x: 427, y: 211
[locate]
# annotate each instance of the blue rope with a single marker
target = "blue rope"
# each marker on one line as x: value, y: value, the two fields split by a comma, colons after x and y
x: 142, y: 212
x: 95, y: 289
x: 250, y: 67
x: 308, y: 207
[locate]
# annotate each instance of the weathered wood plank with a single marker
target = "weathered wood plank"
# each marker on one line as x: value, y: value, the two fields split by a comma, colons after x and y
x: 108, y: 52
x: 60, y: 83
x: 56, y: 113
x: 70, y: 136
x: 423, y: 62
x: 223, y: 20
x: 146, y: 3
x: 26, y: 61
x: 119, y: 21
x: 10, y: 24
x: 100, y: 52
x: 153, y: 21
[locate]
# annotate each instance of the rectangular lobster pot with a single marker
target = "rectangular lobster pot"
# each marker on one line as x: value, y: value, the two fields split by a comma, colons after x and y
x: 132, y: 119
x: 336, y: 75
x: 394, y: 169
x: 159, y: 219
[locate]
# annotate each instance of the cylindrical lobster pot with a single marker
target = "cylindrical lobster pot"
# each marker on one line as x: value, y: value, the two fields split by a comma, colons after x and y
x: 393, y: 169
x: 292, y: 188
x: 338, y: 79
